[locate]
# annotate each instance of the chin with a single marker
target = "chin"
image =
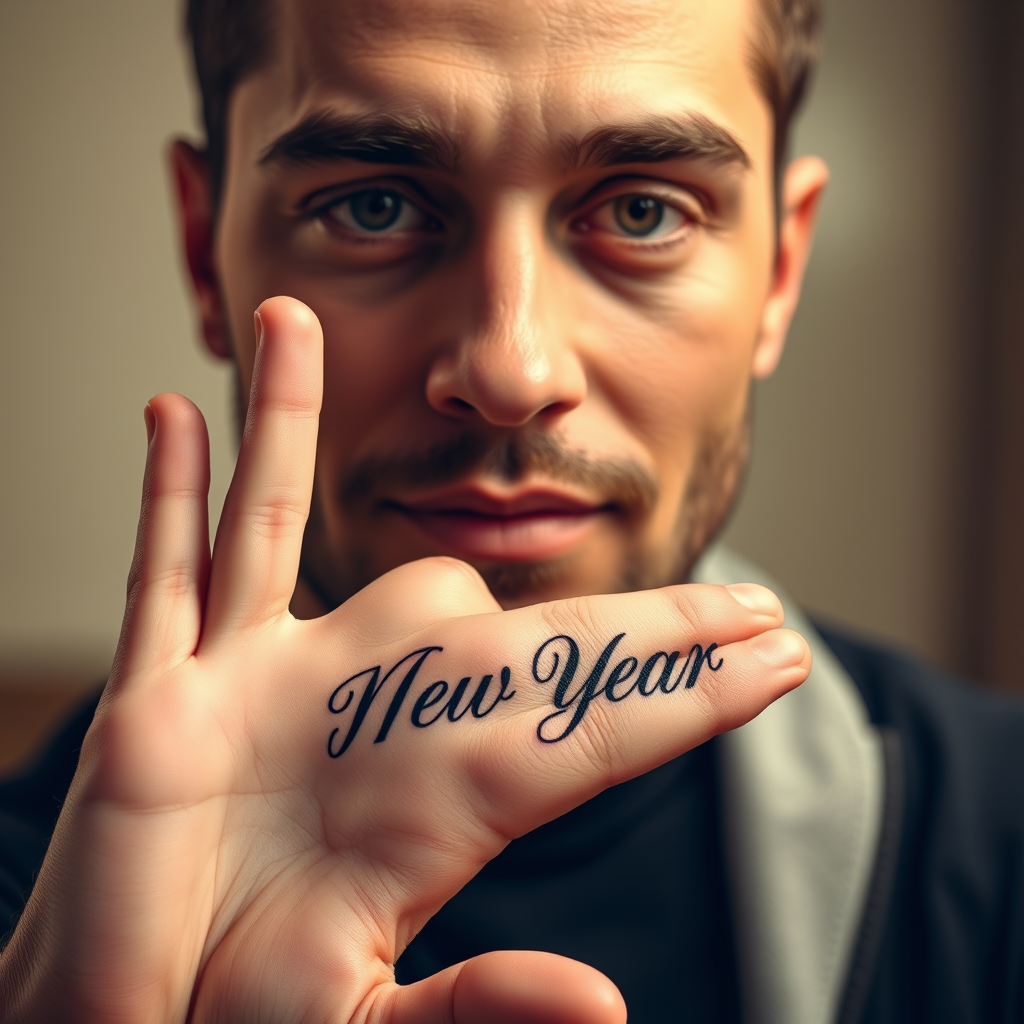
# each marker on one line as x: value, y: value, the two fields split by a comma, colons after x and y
x: 517, y: 584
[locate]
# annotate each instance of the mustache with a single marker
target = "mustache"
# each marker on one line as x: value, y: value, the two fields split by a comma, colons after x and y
x: 623, y: 483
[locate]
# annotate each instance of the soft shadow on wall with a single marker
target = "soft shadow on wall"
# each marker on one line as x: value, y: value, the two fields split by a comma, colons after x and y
x: 885, y: 490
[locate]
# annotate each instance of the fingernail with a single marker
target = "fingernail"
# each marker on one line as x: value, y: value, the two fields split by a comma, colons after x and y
x: 257, y: 323
x: 150, y: 418
x: 781, y: 647
x: 757, y: 598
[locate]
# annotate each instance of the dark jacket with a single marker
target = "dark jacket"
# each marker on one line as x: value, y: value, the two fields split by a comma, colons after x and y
x: 942, y: 938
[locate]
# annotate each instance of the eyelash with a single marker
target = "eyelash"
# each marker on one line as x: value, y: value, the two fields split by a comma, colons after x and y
x: 619, y: 207
x: 325, y: 213
x: 610, y: 205
x: 606, y: 201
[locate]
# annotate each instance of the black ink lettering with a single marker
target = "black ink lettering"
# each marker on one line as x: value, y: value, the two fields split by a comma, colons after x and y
x: 453, y: 713
x: 348, y: 693
x: 403, y: 689
x: 481, y: 692
x: 572, y: 659
x: 432, y: 696
x: 617, y: 687
x: 663, y: 679
x: 477, y: 698
x: 370, y: 691
x: 588, y: 691
x: 559, y: 656
x: 427, y: 699
x: 702, y: 658
x: 369, y: 694
x: 623, y: 671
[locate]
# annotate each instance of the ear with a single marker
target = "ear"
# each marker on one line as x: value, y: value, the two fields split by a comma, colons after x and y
x: 802, y: 189
x: 190, y: 171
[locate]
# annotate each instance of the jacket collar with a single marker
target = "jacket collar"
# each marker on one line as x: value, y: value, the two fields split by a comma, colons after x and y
x: 803, y: 792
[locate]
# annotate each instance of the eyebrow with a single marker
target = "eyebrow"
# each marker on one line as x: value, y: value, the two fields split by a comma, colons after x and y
x: 417, y: 141
x: 655, y: 140
x: 381, y: 138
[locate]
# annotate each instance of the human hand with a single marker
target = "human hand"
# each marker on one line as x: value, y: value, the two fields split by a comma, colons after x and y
x: 267, y: 810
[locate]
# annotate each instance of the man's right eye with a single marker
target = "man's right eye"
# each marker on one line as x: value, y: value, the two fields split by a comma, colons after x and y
x: 376, y: 211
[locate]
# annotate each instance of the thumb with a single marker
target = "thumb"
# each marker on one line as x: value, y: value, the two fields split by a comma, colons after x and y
x: 507, y: 987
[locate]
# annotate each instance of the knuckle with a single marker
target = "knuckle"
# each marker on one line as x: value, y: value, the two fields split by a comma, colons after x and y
x: 418, y: 595
x: 453, y: 586
x: 173, y: 580
x: 455, y: 571
x: 431, y: 570
x: 297, y: 403
x: 576, y: 616
x: 279, y: 517
x: 173, y: 490
x: 109, y: 748
x: 686, y: 605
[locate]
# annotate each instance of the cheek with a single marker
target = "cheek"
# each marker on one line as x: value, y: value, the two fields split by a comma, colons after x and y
x: 246, y: 276
x: 677, y: 365
x: 371, y: 362
x: 373, y: 373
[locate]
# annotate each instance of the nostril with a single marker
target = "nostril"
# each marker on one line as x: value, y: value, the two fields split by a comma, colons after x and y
x: 459, y: 404
x: 556, y: 408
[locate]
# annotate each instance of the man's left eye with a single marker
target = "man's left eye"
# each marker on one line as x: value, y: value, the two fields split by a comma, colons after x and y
x: 639, y: 216
x: 376, y: 211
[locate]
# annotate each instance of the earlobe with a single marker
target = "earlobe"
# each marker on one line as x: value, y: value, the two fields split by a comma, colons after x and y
x: 190, y: 172
x: 802, y: 190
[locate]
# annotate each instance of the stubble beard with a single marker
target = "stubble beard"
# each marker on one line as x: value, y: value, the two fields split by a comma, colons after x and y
x: 710, y: 492
x: 709, y: 496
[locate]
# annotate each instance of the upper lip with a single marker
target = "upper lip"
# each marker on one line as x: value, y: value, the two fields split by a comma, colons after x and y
x: 477, y: 501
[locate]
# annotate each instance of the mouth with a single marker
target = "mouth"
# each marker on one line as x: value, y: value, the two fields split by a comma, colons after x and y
x: 527, y: 526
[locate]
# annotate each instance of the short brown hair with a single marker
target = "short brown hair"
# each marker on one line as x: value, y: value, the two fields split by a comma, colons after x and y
x: 231, y: 39
x: 783, y: 56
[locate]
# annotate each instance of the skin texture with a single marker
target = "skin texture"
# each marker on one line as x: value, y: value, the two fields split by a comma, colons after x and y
x: 212, y: 862
x: 522, y: 313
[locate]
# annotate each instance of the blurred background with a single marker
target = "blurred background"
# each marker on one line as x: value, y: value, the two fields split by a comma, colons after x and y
x: 886, y: 491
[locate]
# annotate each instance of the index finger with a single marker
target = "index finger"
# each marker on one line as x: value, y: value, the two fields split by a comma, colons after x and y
x: 256, y: 554
x: 610, y: 687
x: 547, y: 705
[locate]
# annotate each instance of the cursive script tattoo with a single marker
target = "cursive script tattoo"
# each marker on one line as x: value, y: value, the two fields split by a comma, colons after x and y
x: 440, y: 700
x: 431, y: 699
x: 571, y: 706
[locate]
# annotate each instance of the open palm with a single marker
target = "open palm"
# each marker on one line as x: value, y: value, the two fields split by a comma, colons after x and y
x: 267, y: 810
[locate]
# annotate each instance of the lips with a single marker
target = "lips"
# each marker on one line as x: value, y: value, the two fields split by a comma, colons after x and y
x: 527, y: 526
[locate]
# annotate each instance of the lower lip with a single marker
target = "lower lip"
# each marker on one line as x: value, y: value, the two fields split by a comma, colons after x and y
x: 525, y: 538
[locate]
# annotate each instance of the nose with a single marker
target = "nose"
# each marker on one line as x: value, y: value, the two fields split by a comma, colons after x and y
x: 512, y: 358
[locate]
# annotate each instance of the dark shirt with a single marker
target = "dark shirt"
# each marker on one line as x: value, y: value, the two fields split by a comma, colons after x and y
x: 30, y: 803
x: 948, y: 936
x: 631, y: 882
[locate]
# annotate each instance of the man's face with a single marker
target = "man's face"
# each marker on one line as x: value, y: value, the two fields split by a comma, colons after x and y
x: 539, y: 237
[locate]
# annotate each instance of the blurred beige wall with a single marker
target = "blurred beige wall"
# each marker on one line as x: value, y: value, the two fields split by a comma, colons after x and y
x: 849, y: 501
x: 854, y: 500
x: 94, y: 313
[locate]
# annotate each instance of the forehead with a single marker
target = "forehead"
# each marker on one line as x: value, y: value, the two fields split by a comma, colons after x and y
x: 504, y: 76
